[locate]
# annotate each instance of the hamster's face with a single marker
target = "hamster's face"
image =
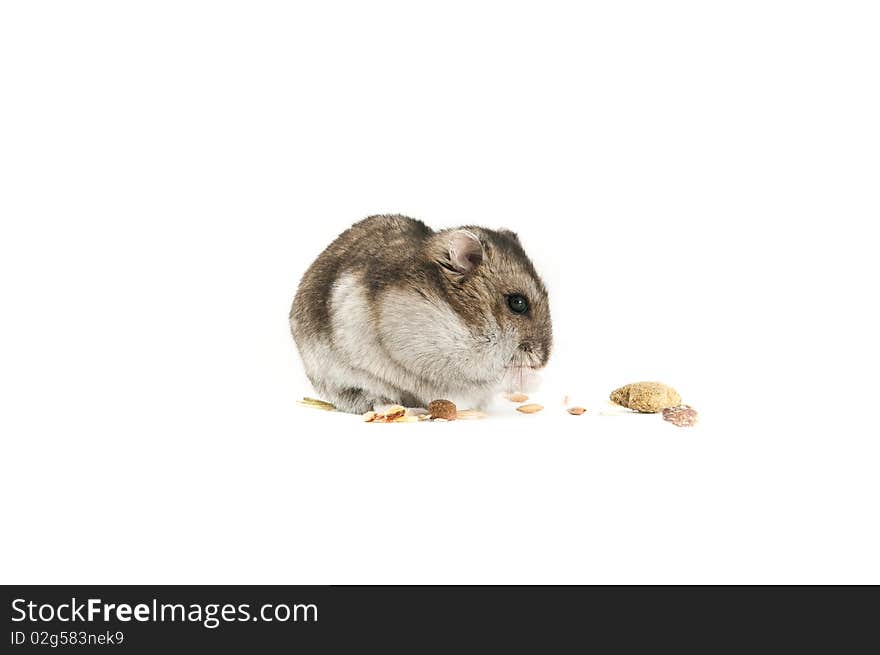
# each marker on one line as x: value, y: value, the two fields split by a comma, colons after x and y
x: 501, y: 293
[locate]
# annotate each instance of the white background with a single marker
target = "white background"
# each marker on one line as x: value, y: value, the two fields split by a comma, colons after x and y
x: 698, y: 183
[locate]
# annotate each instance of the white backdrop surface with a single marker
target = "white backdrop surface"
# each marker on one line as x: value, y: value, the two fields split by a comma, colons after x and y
x: 696, y: 182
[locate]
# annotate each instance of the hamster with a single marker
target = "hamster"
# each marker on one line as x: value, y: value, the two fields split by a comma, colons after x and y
x: 395, y: 312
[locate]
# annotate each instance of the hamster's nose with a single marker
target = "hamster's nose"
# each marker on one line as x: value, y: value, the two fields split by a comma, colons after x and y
x: 537, y: 355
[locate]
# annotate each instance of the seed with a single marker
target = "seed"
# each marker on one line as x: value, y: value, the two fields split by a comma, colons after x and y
x: 530, y: 409
x: 577, y: 411
x: 317, y: 404
x: 516, y: 397
x: 444, y: 409
x: 394, y: 412
x: 684, y: 416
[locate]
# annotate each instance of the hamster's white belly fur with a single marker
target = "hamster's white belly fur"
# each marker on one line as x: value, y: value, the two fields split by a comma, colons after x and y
x: 425, y: 350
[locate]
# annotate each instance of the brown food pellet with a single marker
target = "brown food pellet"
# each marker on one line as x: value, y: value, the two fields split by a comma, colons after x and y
x: 444, y: 409
x: 530, y: 409
x: 646, y: 397
x: 577, y: 411
x: 517, y: 397
x: 684, y: 416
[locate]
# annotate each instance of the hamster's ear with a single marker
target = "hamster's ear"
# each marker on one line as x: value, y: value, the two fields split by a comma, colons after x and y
x: 465, y: 251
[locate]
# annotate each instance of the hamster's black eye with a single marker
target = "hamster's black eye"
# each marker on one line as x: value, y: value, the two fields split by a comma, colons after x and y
x: 517, y: 303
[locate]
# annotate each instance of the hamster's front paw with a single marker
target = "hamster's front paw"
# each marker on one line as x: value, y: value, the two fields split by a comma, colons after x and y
x: 355, y: 401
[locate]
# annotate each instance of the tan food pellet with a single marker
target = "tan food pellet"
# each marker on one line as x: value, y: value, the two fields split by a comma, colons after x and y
x: 577, y: 411
x: 530, y: 409
x: 369, y: 417
x: 684, y: 416
x: 444, y: 409
x: 646, y: 397
x: 516, y: 397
